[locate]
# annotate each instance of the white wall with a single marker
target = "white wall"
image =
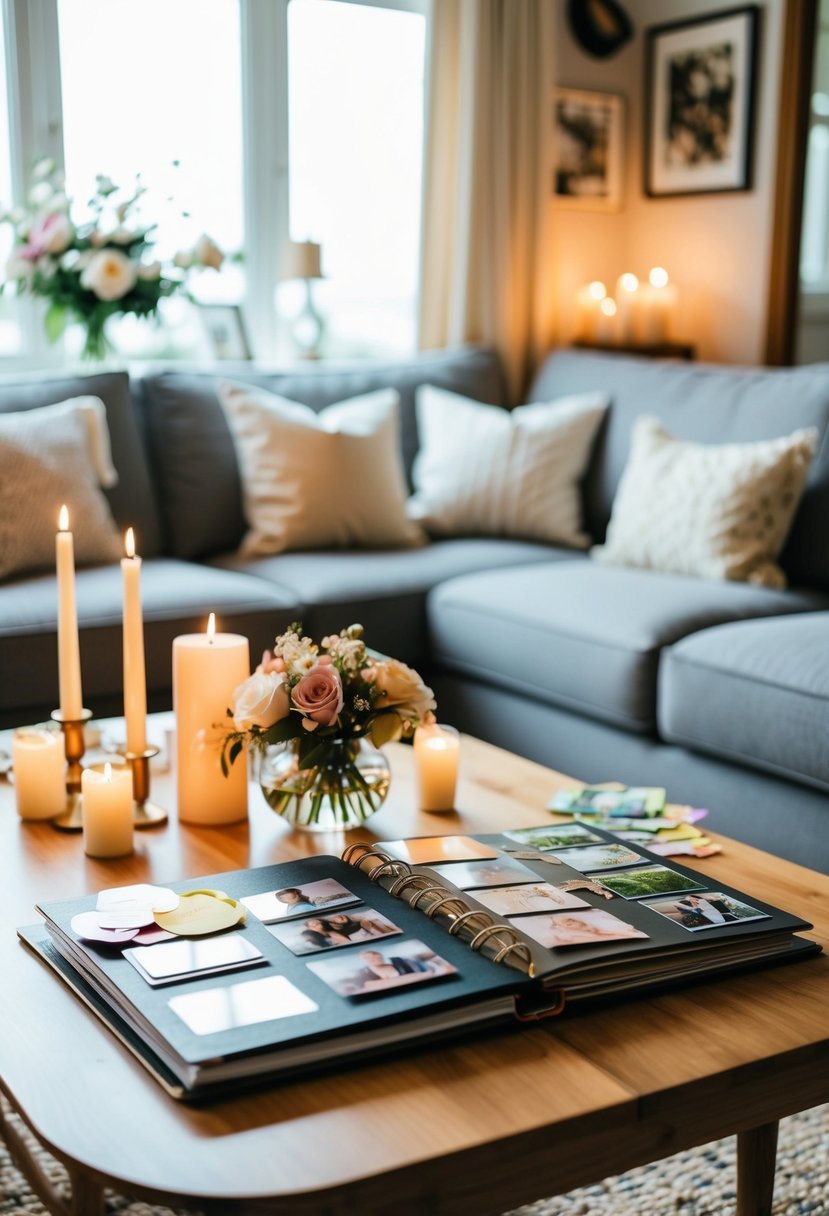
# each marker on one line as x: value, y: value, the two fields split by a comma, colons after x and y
x: 715, y: 247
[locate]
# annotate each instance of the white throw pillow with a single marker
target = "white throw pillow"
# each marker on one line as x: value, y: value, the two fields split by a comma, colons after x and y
x: 716, y: 511
x: 49, y: 456
x: 315, y: 480
x: 483, y: 470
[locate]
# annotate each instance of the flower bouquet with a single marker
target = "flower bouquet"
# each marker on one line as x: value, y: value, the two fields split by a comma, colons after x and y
x: 318, y: 713
x: 92, y: 269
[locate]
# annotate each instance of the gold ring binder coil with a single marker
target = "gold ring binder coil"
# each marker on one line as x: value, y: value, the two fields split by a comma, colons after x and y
x: 470, y: 915
x: 358, y: 847
x: 415, y: 899
x: 483, y: 935
x: 374, y: 856
x: 397, y: 868
x: 446, y: 903
x: 406, y: 880
x: 520, y: 948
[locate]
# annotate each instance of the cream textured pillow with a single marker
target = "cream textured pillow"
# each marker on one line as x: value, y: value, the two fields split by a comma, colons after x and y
x: 50, y: 456
x: 717, y: 511
x: 483, y: 470
x: 310, y: 481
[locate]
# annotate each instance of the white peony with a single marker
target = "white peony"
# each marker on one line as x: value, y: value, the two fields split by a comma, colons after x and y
x: 109, y: 274
x: 207, y: 253
x: 261, y: 700
x: 149, y: 271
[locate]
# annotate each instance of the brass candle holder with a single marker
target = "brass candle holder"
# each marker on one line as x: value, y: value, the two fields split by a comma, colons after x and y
x: 146, y: 814
x: 71, y: 820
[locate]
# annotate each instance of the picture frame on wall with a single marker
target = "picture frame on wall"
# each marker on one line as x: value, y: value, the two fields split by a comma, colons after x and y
x: 588, y: 149
x: 225, y: 329
x: 699, y: 112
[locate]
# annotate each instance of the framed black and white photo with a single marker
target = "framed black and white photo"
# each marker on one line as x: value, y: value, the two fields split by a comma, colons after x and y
x: 700, y: 104
x: 589, y: 130
x: 225, y: 329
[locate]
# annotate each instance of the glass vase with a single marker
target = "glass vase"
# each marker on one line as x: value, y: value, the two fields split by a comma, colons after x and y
x: 338, y: 794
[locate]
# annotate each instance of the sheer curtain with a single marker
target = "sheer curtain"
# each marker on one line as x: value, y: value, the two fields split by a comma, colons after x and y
x: 486, y: 207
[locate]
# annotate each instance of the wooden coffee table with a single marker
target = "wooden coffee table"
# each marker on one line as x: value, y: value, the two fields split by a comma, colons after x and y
x: 477, y: 1128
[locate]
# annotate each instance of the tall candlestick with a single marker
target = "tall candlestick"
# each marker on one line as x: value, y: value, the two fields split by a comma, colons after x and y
x: 39, y: 763
x: 107, y: 812
x: 135, y: 680
x: 659, y: 304
x: 69, y: 655
x: 207, y: 668
x: 627, y: 300
x: 436, y: 752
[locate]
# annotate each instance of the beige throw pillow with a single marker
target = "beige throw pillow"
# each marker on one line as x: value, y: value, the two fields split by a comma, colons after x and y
x: 483, y: 470
x: 311, y: 481
x: 50, y: 456
x: 715, y: 511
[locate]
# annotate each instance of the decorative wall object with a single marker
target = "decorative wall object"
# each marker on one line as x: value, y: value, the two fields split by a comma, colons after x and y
x: 588, y: 149
x: 700, y: 83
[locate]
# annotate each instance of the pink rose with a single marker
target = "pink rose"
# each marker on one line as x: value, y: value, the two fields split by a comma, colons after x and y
x: 270, y: 664
x: 319, y: 695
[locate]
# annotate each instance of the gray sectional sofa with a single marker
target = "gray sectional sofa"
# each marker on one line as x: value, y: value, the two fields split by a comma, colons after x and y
x: 717, y: 690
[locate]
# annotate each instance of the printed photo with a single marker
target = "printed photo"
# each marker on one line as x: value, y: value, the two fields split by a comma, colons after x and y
x: 214, y: 1010
x: 502, y: 872
x: 590, y: 928
x: 331, y: 930
x: 711, y: 910
x: 535, y: 897
x: 642, y: 881
x: 425, y: 850
x: 554, y: 837
x: 632, y: 802
x: 298, y: 901
x: 599, y: 857
x: 382, y: 968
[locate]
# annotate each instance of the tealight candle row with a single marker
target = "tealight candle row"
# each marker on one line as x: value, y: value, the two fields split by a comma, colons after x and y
x: 638, y: 313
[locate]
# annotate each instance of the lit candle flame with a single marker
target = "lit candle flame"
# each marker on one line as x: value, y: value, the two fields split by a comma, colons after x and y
x: 108, y: 772
x: 608, y: 307
x: 597, y: 290
x: 658, y: 277
x: 63, y: 519
x: 211, y: 627
x: 129, y: 543
x: 629, y: 282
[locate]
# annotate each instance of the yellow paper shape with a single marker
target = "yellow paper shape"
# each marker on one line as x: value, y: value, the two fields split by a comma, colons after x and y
x: 201, y: 912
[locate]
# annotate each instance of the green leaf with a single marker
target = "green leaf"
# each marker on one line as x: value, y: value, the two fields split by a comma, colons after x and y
x: 55, y: 322
x: 386, y: 728
x: 316, y: 754
x: 287, y: 728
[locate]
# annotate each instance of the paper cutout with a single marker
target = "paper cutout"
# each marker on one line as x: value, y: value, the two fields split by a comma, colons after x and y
x: 201, y: 912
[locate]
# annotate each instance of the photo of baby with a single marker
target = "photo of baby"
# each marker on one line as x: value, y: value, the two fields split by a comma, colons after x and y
x: 381, y: 968
x: 333, y: 929
x: 298, y: 901
x: 590, y: 928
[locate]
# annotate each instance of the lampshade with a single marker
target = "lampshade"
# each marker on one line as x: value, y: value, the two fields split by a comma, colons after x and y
x: 301, y: 260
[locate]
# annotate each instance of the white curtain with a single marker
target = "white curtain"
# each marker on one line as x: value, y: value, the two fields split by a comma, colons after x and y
x: 485, y: 258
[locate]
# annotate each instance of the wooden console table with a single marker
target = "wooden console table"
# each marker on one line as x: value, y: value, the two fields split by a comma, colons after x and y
x: 471, y: 1129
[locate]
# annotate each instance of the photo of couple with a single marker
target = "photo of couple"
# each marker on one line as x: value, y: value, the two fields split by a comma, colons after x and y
x: 707, y: 911
x: 394, y: 965
x: 333, y: 929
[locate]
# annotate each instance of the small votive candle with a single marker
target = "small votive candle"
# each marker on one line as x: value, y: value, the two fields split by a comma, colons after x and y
x: 107, y: 811
x: 39, y: 768
x: 437, y: 751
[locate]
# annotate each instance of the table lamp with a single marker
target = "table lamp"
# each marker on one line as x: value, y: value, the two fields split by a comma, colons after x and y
x: 301, y: 260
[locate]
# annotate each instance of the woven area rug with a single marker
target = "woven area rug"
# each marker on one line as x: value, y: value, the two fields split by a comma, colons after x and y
x: 697, y: 1183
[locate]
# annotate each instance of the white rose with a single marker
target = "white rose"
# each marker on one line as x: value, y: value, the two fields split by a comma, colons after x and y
x: 58, y: 233
x: 121, y: 236
x: 401, y: 688
x: 109, y: 274
x: 207, y: 253
x: 261, y: 700
x: 183, y: 259
x: 149, y: 271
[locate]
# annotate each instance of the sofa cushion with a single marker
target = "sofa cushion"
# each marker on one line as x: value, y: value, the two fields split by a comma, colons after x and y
x: 131, y: 499
x: 176, y: 597
x: 715, y: 510
x: 385, y: 592
x: 754, y: 692
x: 313, y: 480
x: 193, y: 452
x: 711, y: 405
x: 583, y: 636
x: 483, y: 471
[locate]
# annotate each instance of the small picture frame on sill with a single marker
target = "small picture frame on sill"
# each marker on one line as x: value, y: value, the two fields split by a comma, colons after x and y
x: 699, y: 111
x: 588, y: 149
x: 224, y: 326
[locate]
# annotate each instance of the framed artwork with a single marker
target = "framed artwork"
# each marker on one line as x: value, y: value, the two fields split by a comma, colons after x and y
x: 225, y: 329
x: 588, y: 138
x: 699, y: 114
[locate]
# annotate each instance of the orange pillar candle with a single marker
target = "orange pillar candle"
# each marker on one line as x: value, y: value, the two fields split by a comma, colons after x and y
x: 107, y: 811
x: 135, y: 680
x: 69, y: 655
x: 207, y: 668
x: 436, y: 754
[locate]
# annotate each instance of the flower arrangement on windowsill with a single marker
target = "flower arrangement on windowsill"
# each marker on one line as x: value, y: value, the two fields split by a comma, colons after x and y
x: 93, y: 269
x: 318, y: 713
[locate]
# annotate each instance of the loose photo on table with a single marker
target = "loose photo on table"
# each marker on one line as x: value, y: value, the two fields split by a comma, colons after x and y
x: 501, y: 872
x: 381, y: 968
x: 641, y: 881
x: 600, y: 857
x: 533, y: 897
x: 711, y: 910
x: 328, y: 931
x: 298, y: 901
x: 593, y: 927
x: 633, y: 801
x: 554, y: 837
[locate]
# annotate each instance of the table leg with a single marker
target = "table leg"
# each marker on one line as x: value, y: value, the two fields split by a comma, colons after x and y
x: 756, y: 1161
x: 87, y: 1196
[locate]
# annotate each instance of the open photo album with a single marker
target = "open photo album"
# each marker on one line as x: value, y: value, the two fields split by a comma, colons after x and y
x: 237, y: 978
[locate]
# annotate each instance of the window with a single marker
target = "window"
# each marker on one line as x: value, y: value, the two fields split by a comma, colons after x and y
x: 10, y: 331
